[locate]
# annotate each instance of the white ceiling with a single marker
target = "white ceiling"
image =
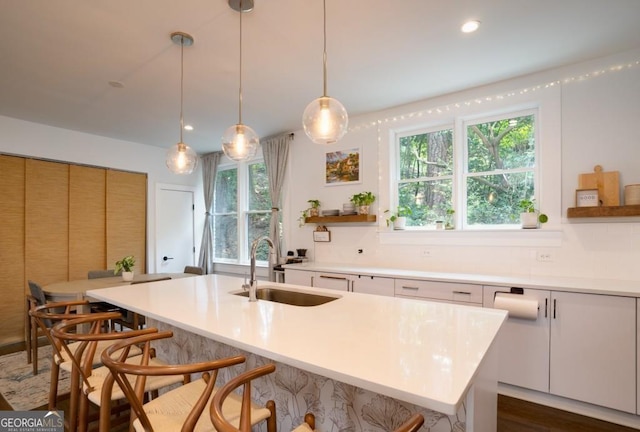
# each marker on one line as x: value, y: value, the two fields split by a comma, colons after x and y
x: 57, y: 57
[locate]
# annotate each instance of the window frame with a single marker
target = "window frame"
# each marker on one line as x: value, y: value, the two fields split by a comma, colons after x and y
x: 460, y: 174
x: 242, y: 212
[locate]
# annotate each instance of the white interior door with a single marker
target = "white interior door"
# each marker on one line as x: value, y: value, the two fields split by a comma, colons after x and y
x: 175, y: 246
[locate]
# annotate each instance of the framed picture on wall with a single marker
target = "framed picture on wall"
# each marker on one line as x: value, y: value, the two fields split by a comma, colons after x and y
x: 342, y: 167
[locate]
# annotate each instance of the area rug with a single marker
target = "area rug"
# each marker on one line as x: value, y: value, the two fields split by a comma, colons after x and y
x: 20, y: 388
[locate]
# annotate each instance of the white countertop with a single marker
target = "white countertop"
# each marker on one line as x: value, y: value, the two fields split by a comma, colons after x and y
x: 593, y: 286
x: 420, y: 352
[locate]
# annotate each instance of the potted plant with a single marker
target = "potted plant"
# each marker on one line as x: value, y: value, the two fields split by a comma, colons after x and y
x: 125, y: 265
x: 362, y: 201
x: 399, y: 218
x: 530, y: 217
x: 314, y: 210
x: 449, y: 225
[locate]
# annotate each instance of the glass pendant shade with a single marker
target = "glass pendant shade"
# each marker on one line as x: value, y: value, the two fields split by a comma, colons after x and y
x: 325, y: 120
x: 181, y: 159
x: 240, y: 142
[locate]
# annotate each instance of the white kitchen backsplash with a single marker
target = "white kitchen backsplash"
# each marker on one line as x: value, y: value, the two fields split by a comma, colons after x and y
x: 602, y: 250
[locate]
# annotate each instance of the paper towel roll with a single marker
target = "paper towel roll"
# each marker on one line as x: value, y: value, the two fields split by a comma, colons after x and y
x: 517, y: 305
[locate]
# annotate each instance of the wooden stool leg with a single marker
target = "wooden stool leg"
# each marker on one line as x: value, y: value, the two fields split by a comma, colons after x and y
x: 34, y: 347
x: 53, y: 386
x: 272, y: 425
x: 74, y: 399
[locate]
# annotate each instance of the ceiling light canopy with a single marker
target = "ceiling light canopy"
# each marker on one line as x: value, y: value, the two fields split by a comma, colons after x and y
x: 240, y: 142
x: 325, y: 120
x: 181, y: 159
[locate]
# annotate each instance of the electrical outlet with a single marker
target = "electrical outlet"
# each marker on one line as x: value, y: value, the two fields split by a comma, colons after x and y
x: 544, y: 256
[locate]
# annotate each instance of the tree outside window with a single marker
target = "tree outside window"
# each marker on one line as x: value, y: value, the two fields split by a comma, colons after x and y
x: 242, y: 212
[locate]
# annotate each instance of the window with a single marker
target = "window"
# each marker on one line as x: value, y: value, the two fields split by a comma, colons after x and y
x: 242, y: 211
x: 475, y: 177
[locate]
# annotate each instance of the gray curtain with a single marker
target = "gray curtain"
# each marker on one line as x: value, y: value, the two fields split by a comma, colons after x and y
x: 276, y: 154
x: 209, y: 170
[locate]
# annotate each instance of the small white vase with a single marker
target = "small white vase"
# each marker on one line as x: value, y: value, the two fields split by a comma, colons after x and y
x: 529, y: 220
x: 127, y: 276
x: 399, y: 223
x: 363, y: 210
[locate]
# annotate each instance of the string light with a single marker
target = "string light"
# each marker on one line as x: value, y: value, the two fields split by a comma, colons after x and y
x: 502, y: 96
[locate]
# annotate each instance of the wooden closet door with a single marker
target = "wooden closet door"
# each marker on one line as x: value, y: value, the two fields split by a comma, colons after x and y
x: 87, y: 220
x: 12, y: 282
x: 126, y: 218
x: 47, y: 221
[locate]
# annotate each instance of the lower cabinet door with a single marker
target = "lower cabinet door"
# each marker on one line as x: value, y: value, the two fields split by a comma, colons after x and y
x: 593, y: 349
x: 298, y: 277
x: 523, y: 344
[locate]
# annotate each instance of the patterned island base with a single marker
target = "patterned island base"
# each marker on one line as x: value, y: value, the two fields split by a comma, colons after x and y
x: 336, y: 406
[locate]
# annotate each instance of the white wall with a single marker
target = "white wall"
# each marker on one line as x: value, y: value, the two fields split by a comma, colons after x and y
x: 23, y: 138
x: 596, y: 124
x: 592, y: 112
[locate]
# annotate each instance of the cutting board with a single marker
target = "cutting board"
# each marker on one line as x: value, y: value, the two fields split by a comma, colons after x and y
x: 607, y: 183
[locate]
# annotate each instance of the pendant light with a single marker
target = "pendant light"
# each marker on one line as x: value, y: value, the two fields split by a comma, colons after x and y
x: 240, y: 142
x: 181, y: 159
x: 325, y: 119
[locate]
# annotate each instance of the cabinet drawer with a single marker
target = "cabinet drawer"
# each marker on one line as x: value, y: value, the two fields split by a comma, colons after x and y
x: 448, y: 291
x: 335, y: 281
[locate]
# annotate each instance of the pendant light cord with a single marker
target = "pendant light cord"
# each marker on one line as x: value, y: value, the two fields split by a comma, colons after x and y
x: 240, y: 86
x: 181, y: 84
x: 324, y: 51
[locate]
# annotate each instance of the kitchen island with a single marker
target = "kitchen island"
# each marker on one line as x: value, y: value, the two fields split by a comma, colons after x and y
x: 377, y: 357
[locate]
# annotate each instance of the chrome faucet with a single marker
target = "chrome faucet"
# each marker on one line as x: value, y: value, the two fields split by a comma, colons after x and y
x: 252, y: 286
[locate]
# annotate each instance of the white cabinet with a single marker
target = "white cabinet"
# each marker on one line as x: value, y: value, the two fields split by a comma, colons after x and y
x: 298, y: 277
x: 334, y: 281
x: 523, y: 344
x: 373, y: 285
x: 581, y: 346
x: 638, y: 354
x: 341, y: 281
x: 593, y: 349
x: 451, y: 292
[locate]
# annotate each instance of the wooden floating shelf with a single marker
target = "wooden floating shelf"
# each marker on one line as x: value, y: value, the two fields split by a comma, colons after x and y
x: 610, y: 211
x: 340, y: 219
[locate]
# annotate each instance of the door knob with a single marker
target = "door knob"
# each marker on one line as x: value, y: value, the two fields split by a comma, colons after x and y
x: 165, y: 258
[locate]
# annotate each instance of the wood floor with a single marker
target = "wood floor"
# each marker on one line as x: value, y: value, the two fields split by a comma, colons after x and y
x: 514, y: 415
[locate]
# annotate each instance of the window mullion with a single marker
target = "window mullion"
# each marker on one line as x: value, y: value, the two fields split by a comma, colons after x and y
x: 242, y: 204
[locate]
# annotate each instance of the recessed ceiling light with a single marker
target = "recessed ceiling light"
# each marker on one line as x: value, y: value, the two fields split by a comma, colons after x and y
x: 116, y: 84
x: 470, y: 26
x: 188, y: 127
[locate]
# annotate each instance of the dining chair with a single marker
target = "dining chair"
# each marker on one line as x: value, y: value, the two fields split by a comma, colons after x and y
x: 88, y: 382
x: 33, y: 332
x: 227, y: 420
x: 412, y: 424
x: 52, y: 313
x: 183, y: 408
x: 97, y: 274
x: 194, y: 270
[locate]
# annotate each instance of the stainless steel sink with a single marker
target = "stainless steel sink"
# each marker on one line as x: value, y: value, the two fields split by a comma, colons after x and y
x: 295, y: 298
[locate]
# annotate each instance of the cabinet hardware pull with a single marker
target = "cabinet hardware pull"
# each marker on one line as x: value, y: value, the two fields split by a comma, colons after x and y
x: 410, y: 288
x: 554, y: 308
x: 312, y: 280
x: 333, y: 277
x: 546, y: 306
x: 462, y: 292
